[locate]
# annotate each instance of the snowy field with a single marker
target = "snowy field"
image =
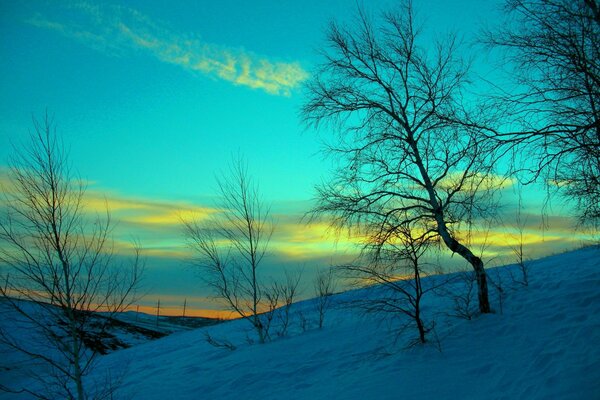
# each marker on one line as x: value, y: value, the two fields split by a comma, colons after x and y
x: 545, y: 344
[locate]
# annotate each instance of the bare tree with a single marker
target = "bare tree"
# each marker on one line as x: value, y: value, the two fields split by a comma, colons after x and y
x: 553, y: 50
x: 230, y: 249
x: 461, y: 291
x: 60, y: 266
x: 280, y: 297
x: 289, y: 291
x: 407, y: 150
x: 398, y: 267
x: 518, y: 249
x: 324, y: 288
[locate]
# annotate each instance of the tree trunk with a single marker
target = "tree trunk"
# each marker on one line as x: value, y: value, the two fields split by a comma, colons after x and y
x: 419, y: 321
x: 421, y: 330
x: 449, y: 240
x: 418, y: 295
x: 482, y: 294
x: 76, y: 349
x: 79, y: 379
x: 259, y: 329
x: 476, y: 263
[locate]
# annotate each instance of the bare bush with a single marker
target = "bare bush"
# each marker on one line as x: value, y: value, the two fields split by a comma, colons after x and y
x: 498, y: 284
x: 519, y: 252
x: 462, y: 293
x: 289, y: 291
x: 219, y: 343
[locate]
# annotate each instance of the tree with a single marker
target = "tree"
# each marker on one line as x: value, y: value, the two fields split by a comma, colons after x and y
x: 287, y: 291
x: 460, y: 290
x: 518, y: 248
x: 324, y: 287
x: 553, y: 50
x: 408, y: 149
x: 230, y: 249
x: 59, y: 265
x: 398, y: 267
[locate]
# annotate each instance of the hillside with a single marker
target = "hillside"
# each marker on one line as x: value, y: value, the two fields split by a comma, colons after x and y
x: 104, y: 335
x: 545, y: 344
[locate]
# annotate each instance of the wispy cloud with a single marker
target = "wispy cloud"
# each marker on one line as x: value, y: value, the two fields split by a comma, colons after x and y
x: 156, y: 224
x: 117, y: 29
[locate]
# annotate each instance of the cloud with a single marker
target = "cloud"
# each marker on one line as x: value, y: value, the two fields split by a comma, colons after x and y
x: 118, y: 30
x: 299, y: 241
x: 477, y: 180
x: 157, y: 225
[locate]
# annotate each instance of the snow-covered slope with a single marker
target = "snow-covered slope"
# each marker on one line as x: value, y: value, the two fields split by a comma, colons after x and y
x: 105, y: 335
x: 545, y: 345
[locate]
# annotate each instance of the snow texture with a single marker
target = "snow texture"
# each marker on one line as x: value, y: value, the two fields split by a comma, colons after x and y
x: 544, y: 345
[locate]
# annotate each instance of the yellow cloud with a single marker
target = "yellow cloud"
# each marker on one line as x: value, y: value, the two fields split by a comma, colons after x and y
x: 483, y: 181
x: 157, y: 226
x: 113, y: 28
x: 94, y: 203
x: 171, y: 217
x: 301, y: 241
x: 155, y: 223
x: 510, y: 240
x: 144, y: 211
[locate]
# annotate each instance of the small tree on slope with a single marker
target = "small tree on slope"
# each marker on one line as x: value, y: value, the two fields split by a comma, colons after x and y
x: 397, y: 267
x: 230, y: 250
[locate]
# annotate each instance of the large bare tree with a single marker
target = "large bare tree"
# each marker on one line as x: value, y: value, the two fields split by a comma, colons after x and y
x: 230, y: 248
x: 58, y: 266
x: 407, y: 151
x: 552, y: 49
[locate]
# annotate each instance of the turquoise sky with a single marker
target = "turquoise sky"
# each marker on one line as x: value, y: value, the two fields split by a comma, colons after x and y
x: 124, y: 82
x: 153, y: 98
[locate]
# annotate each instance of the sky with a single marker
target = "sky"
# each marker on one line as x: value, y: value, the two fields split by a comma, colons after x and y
x: 154, y: 98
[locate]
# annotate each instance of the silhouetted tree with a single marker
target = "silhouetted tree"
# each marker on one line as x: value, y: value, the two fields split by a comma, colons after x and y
x: 288, y: 292
x: 407, y: 151
x: 460, y: 289
x: 231, y: 247
x: 398, y: 266
x: 59, y: 264
x: 518, y: 248
x: 324, y: 287
x: 553, y: 50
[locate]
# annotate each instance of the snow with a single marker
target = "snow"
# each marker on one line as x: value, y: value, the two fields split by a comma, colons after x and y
x: 544, y: 345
